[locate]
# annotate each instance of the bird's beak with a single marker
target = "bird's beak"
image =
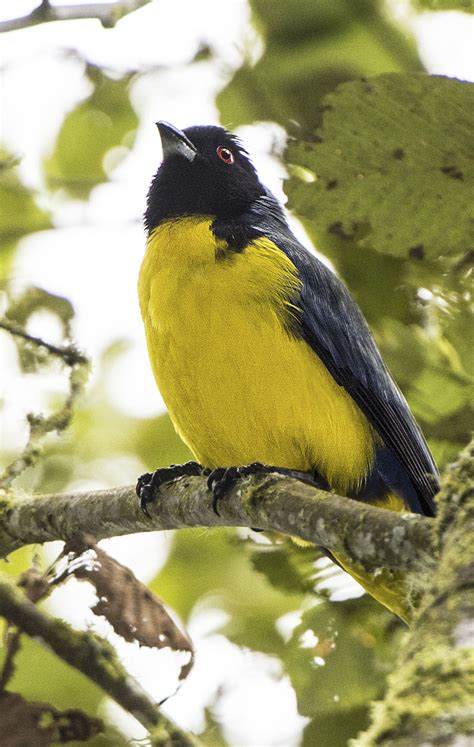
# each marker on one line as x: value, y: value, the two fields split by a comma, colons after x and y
x: 175, y: 143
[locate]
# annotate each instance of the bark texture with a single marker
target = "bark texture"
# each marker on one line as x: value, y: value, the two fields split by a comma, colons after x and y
x: 384, y: 550
x: 430, y: 695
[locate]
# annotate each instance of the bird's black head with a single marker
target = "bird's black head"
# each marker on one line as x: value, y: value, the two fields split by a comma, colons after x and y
x: 205, y: 171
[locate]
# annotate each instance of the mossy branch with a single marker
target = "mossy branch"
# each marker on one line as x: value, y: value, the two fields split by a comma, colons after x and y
x: 91, y: 655
x: 68, y: 353
x: 78, y: 366
x: 430, y: 693
x: 376, y: 543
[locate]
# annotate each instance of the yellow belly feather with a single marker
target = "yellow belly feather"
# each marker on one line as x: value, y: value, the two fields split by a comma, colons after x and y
x: 238, y: 387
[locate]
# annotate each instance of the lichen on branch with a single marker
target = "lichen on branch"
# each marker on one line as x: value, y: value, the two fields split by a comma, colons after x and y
x: 393, y: 549
x: 431, y: 692
x: 91, y: 655
x: 34, y: 351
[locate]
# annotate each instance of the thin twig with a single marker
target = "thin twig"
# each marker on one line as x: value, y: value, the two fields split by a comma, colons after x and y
x: 107, y: 13
x: 12, y: 646
x: 69, y: 353
x: 39, y: 425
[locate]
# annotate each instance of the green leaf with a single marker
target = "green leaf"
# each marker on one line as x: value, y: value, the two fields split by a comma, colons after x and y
x: 105, y: 120
x: 20, y: 213
x: 337, y: 728
x: 287, y: 567
x: 432, y: 408
x: 25, y: 305
x: 339, y: 656
x: 377, y: 281
x: 428, y: 369
x: 456, y: 320
x: 393, y: 163
x: 18, y: 562
x: 66, y: 687
x: 211, y: 568
x: 42, y: 676
x: 158, y: 444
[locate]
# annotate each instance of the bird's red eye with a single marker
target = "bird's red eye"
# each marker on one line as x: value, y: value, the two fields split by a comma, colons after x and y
x: 225, y: 154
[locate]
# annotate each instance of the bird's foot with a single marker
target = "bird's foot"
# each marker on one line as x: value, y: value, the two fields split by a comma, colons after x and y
x: 222, y: 479
x: 149, y: 484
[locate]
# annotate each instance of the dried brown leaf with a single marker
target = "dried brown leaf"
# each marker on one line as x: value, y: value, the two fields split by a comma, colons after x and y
x: 134, y: 612
x: 40, y: 724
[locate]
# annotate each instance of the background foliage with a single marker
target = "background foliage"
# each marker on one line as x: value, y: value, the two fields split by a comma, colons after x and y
x: 380, y: 172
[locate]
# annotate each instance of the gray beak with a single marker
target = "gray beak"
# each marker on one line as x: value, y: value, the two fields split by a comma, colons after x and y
x: 175, y: 143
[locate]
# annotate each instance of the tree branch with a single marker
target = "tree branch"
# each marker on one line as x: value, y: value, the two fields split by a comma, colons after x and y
x: 92, y: 656
x: 429, y: 695
x: 107, y: 13
x: 376, y: 543
x: 40, y: 425
x: 68, y: 353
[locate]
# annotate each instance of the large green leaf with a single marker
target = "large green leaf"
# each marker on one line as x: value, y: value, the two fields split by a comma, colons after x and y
x: 394, y: 166
x: 105, y: 120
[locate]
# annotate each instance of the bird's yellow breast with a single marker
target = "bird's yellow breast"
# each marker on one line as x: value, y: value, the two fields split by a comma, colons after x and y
x: 238, y: 386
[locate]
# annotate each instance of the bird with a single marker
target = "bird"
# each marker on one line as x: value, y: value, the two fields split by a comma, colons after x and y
x: 262, y: 357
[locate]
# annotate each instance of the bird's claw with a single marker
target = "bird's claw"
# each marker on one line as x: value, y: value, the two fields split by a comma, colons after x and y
x: 149, y: 484
x: 222, y: 479
x: 219, y: 483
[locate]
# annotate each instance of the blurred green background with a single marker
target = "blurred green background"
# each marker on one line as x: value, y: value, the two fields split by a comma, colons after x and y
x: 289, y: 651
